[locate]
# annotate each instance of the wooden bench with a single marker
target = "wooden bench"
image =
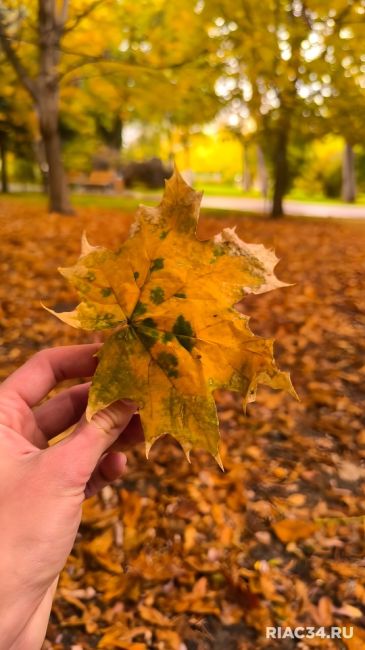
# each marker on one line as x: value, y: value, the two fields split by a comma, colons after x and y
x: 97, y: 181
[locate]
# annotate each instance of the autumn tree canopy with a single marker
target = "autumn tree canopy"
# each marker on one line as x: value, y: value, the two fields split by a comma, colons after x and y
x: 91, y: 68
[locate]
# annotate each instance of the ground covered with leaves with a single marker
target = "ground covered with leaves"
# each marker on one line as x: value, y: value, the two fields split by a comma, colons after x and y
x: 185, y: 557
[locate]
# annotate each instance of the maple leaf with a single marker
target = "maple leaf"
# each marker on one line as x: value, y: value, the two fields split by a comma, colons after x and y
x: 169, y: 299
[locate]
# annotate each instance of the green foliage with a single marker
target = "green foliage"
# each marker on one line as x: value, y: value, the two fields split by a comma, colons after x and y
x: 321, y: 173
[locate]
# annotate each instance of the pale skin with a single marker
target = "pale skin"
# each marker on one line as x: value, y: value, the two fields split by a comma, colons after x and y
x: 42, y: 487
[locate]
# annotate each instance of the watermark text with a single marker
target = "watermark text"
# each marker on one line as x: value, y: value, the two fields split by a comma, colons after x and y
x: 309, y: 632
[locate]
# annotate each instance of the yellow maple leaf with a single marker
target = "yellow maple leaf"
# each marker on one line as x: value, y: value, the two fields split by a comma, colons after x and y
x: 169, y: 297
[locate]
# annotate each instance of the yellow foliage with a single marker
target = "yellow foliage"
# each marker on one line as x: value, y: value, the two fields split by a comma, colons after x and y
x: 215, y: 152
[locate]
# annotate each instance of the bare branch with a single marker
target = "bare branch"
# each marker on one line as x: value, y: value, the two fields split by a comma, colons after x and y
x: 12, y: 56
x: 306, y: 15
x: 61, y: 19
x: 88, y: 59
x: 22, y: 41
x: 82, y: 15
x: 341, y: 16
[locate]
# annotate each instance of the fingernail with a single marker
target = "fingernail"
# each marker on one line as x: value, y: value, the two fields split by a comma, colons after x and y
x: 115, y: 416
x: 130, y: 403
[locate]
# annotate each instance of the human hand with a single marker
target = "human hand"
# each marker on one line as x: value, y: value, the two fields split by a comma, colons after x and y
x: 42, y: 488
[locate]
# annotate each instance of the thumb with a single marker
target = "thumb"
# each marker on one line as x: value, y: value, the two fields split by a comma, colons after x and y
x: 90, y: 440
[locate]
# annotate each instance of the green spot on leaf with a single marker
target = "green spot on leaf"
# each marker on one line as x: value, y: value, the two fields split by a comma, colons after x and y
x: 124, y: 334
x: 147, y: 332
x: 167, y: 336
x: 168, y: 362
x: 90, y: 276
x: 139, y: 310
x: 157, y: 295
x: 164, y: 234
x: 184, y: 333
x: 106, y: 291
x: 218, y: 251
x: 136, y: 275
x: 105, y: 321
x: 157, y: 264
x: 148, y: 322
x: 180, y: 295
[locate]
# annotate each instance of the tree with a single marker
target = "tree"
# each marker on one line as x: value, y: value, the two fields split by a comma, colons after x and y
x: 243, y: 128
x: 43, y: 86
x: 275, y: 60
x: 166, y: 83
x: 346, y: 102
x: 131, y: 44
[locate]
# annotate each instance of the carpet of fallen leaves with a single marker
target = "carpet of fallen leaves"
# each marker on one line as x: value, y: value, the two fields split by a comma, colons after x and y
x: 185, y: 557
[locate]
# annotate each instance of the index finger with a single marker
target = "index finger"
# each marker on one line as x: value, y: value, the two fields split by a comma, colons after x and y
x: 47, y: 368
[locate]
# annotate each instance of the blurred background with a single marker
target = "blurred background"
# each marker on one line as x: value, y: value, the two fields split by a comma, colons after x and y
x: 262, y: 105
x: 249, y: 101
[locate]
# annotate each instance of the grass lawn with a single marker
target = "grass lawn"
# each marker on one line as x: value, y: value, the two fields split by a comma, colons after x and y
x: 298, y: 195
x: 295, y: 195
x: 131, y: 202
x: 224, y: 189
x: 104, y: 201
x: 129, y: 205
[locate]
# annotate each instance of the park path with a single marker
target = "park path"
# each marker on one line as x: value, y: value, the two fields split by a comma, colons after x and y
x: 294, y: 208
x: 262, y: 206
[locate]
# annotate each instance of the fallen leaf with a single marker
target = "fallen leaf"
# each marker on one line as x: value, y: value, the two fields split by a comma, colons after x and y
x: 169, y: 640
x: 152, y: 615
x: 348, y: 471
x: 120, y: 636
x: 290, y: 530
x: 324, y: 611
x: 348, y: 610
x: 169, y: 297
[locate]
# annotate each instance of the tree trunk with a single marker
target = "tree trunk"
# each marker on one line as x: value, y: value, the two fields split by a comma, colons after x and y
x: 280, y: 173
x: 246, y: 174
x: 122, y: 127
x: 48, y: 105
x: 262, y: 175
x: 348, y: 174
x: 4, y: 168
x: 56, y: 179
x: 187, y: 172
x: 40, y: 155
x: 58, y: 193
